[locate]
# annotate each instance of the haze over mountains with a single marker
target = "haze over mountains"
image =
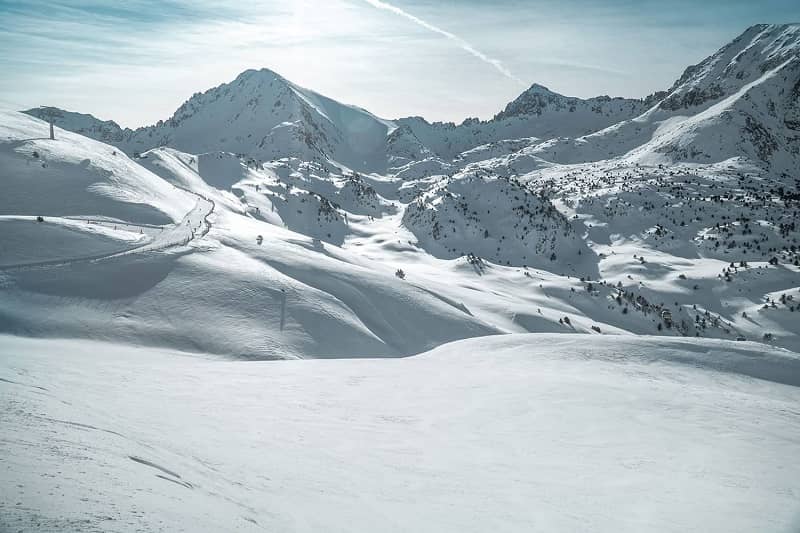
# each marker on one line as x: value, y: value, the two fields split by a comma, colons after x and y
x: 263, y: 221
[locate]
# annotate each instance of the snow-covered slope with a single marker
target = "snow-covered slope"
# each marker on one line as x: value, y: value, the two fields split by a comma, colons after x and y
x: 260, y: 114
x: 289, y: 297
x: 106, y: 131
x: 757, y: 123
x: 76, y: 176
x: 761, y: 48
x: 497, y: 219
x: 743, y: 101
x: 512, y: 433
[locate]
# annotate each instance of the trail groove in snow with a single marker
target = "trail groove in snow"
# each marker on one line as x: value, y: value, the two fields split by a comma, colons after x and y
x: 171, y: 236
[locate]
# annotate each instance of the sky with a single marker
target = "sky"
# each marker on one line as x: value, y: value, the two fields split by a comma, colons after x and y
x: 136, y: 61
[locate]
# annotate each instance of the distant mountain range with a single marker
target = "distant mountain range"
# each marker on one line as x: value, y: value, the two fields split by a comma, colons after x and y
x: 742, y: 100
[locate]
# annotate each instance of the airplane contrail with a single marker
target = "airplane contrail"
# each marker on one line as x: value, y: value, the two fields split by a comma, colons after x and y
x: 464, y: 45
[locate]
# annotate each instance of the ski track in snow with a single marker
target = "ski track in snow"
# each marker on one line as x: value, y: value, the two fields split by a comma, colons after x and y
x: 179, y: 234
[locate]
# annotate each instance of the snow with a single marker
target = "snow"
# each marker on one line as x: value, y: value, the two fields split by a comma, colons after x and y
x: 74, y: 175
x: 323, y: 281
x: 441, y: 282
x: 58, y: 239
x: 505, y: 433
x: 495, y: 219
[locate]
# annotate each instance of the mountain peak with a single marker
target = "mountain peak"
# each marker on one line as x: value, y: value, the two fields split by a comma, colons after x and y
x: 758, y: 49
x: 538, y: 99
x: 538, y: 89
x: 532, y: 101
x: 262, y: 74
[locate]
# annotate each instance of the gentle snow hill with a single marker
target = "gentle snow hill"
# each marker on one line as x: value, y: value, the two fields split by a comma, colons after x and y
x: 73, y: 199
x: 508, y: 433
x: 57, y: 239
x: 212, y: 174
x: 76, y: 176
x: 228, y: 295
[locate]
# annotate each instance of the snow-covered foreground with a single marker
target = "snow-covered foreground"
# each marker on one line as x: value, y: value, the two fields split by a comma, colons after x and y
x: 501, y: 433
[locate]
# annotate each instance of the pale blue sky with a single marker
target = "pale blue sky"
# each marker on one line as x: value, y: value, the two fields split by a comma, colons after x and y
x: 137, y: 61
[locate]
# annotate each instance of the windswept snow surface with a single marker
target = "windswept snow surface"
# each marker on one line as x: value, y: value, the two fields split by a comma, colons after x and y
x: 505, y: 433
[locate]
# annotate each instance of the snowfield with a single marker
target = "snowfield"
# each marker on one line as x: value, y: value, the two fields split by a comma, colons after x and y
x: 580, y: 315
x: 507, y: 433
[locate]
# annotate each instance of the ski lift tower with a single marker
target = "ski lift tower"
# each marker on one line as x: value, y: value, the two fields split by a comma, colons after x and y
x: 50, y: 114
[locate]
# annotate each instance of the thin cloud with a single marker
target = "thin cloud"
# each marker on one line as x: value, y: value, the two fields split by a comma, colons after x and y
x: 464, y: 45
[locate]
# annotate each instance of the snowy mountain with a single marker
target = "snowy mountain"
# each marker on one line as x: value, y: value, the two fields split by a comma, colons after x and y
x: 624, y: 273
x: 741, y: 102
x: 537, y: 112
x: 673, y: 201
x: 264, y: 116
x: 260, y: 114
x: 745, y: 101
x: 747, y: 58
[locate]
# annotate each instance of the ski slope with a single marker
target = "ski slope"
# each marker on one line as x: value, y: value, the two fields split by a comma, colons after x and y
x: 98, y: 203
